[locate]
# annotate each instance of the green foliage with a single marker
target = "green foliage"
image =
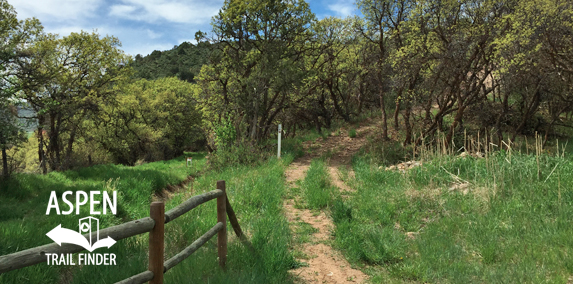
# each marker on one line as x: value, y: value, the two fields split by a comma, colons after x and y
x: 333, y: 72
x: 387, y: 152
x: 352, y: 133
x: 60, y: 94
x: 257, y: 65
x: 239, y: 153
x: 149, y: 120
x: 293, y: 147
x: 225, y: 134
x: 15, y: 36
x: 230, y: 151
x: 183, y: 61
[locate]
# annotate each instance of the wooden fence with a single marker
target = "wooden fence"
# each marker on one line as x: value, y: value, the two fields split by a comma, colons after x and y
x: 154, y: 224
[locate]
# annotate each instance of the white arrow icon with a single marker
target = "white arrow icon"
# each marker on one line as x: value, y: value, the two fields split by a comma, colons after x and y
x: 107, y: 242
x: 62, y: 235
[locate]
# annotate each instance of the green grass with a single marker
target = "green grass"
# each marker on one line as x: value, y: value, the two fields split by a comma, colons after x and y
x: 303, y: 232
x: 352, y: 133
x: 255, y: 193
x: 317, y: 190
x: 24, y: 199
x: 511, y: 226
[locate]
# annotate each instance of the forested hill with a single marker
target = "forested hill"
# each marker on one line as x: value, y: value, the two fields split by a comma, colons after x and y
x: 183, y: 61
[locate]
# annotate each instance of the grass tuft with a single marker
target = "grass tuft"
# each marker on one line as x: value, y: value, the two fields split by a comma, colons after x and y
x: 318, y: 192
x: 352, y: 133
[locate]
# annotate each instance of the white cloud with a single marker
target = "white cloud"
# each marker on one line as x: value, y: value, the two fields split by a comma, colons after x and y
x: 151, y: 11
x: 58, y: 10
x: 153, y: 35
x: 342, y: 8
x: 141, y: 25
x: 121, y: 10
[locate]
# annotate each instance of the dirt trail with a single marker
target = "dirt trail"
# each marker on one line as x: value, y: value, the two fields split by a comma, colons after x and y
x: 325, y: 265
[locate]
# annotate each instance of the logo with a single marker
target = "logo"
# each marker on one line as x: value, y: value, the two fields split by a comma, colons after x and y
x: 88, y: 226
x: 62, y: 235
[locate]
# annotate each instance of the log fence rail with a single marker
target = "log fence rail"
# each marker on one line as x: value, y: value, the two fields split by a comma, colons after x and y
x: 155, y: 226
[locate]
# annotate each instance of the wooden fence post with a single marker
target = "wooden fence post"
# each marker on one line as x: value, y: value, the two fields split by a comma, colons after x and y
x: 222, y: 217
x: 156, y: 242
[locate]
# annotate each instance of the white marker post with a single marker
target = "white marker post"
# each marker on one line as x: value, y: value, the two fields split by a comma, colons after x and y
x: 189, y: 161
x: 279, y: 149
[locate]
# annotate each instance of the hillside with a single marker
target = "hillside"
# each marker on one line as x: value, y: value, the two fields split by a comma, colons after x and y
x: 183, y: 61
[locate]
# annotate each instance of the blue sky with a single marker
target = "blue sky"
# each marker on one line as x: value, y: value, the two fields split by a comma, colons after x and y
x: 143, y: 25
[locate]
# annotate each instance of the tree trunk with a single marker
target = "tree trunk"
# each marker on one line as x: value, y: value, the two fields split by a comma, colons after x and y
x: 5, y: 172
x: 255, y: 122
x: 396, y: 113
x: 53, y: 146
x: 531, y: 108
x: 407, y: 125
x: 337, y: 107
x: 70, y: 148
x: 457, y: 120
x: 41, y: 153
x: 360, y: 97
x: 397, y: 109
x: 384, y: 118
x: 504, y: 111
x: 317, y: 123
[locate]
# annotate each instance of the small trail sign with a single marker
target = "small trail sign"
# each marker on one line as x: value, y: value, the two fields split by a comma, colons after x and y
x: 189, y: 161
x: 279, y: 142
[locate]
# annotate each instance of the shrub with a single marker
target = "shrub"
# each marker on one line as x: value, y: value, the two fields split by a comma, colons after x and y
x: 239, y: 153
x: 352, y: 133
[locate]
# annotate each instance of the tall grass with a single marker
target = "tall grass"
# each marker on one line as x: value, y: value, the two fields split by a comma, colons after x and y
x: 24, y: 200
x: 255, y: 194
x: 501, y: 219
x: 318, y: 192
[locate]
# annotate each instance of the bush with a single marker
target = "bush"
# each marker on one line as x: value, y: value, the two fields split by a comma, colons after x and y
x: 239, y: 153
x: 352, y: 133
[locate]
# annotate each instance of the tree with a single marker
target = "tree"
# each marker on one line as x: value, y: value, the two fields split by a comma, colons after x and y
x: 331, y: 73
x: 262, y: 45
x: 15, y: 36
x: 79, y: 74
x: 149, y: 120
x: 383, y: 25
x: 447, y: 59
x: 535, y: 59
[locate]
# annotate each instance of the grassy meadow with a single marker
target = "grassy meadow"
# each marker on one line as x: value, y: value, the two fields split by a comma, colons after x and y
x: 255, y: 193
x: 24, y: 199
x: 500, y: 219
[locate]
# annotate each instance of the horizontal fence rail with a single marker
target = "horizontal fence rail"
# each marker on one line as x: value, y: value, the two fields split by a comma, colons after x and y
x: 191, y: 203
x: 37, y: 255
x: 138, y: 278
x: 176, y: 259
x: 155, y: 226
